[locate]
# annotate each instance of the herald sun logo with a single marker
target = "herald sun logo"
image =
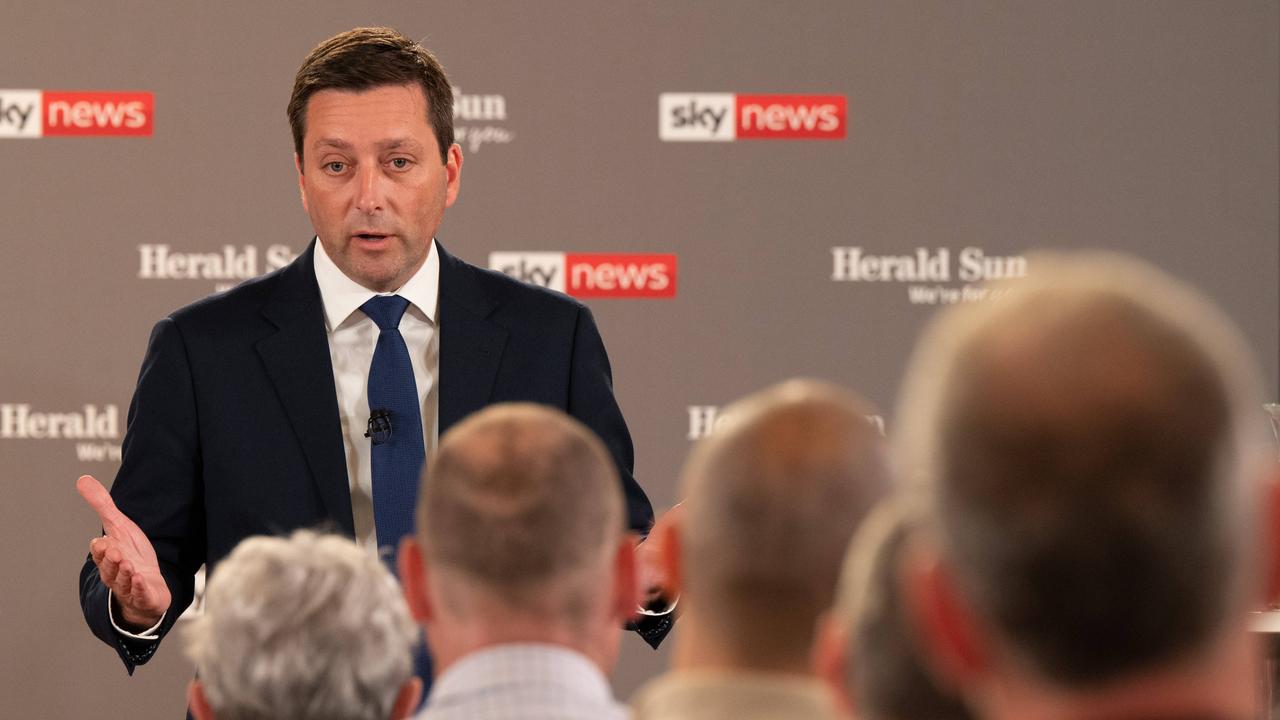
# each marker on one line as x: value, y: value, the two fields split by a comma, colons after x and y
x: 704, y: 419
x: 592, y: 275
x: 479, y: 120
x: 723, y: 117
x: 96, y: 428
x: 54, y: 113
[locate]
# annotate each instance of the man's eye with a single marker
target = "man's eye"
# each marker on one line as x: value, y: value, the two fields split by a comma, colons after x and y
x: 400, y: 163
x: 335, y: 167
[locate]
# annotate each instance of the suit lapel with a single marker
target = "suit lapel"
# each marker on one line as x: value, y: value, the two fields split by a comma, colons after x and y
x: 470, y: 344
x: 297, y: 360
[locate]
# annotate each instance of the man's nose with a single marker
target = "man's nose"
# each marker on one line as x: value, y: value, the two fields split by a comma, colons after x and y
x: 369, y: 189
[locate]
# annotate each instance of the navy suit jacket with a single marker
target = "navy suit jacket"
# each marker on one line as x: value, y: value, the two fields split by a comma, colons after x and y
x: 234, y: 429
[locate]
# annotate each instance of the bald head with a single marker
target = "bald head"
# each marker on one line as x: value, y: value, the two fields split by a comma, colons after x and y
x: 772, y: 499
x: 1081, y: 444
x: 523, y: 505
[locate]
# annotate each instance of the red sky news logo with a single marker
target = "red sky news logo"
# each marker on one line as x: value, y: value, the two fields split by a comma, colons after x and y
x: 592, y: 275
x: 722, y: 117
x: 60, y: 113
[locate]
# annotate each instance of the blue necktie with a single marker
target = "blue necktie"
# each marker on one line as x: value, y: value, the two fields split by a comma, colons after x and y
x: 396, y: 456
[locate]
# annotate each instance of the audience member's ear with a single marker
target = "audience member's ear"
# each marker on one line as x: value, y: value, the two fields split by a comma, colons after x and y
x: 411, y: 564
x: 669, y: 549
x: 407, y: 699
x: 626, y: 585
x: 1271, y: 536
x: 197, y: 703
x: 830, y: 659
x: 953, y: 644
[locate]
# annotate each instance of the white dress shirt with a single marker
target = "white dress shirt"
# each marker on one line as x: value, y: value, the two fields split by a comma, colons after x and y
x: 523, y: 682
x: 352, y: 337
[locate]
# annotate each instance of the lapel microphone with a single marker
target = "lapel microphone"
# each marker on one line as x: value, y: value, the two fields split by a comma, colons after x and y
x: 379, y: 428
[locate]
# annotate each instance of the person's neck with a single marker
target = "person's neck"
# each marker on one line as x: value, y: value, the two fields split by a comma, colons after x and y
x: 452, y: 641
x: 1220, y: 684
x: 700, y: 646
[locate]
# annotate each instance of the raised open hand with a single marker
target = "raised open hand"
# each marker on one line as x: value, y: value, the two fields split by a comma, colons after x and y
x: 126, y: 561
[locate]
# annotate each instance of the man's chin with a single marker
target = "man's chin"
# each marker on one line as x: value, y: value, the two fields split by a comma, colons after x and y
x: 376, y: 279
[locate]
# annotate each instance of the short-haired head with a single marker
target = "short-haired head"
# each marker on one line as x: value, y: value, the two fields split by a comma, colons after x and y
x: 772, y: 498
x: 524, y: 506
x: 308, y: 626
x: 886, y: 675
x: 1083, y: 443
x: 369, y: 57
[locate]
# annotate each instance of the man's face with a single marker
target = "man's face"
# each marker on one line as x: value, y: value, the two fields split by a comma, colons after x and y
x: 372, y: 181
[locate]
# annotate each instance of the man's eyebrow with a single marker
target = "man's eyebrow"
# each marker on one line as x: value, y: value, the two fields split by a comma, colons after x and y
x: 404, y: 143
x: 332, y: 142
x: 399, y: 144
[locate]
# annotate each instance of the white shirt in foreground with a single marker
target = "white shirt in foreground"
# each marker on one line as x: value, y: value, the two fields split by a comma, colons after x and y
x: 523, y: 682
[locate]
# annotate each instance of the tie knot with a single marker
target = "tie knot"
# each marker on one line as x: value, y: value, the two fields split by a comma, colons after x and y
x: 385, y: 310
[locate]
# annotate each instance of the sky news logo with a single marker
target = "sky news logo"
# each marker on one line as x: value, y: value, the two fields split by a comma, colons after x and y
x: 723, y: 117
x: 592, y: 275
x: 61, y: 113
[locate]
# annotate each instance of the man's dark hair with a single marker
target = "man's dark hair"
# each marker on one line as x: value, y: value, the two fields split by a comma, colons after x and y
x: 368, y: 57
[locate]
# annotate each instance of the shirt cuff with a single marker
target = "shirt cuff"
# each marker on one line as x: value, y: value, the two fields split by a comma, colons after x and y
x: 148, y: 634
x: 650, y: 611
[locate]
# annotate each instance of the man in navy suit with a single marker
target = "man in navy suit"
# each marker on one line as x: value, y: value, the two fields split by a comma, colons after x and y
x: 251, y: 407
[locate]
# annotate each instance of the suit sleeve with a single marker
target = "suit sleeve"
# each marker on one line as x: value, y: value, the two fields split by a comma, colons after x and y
x: 159, y: 487
x: 592, y: 402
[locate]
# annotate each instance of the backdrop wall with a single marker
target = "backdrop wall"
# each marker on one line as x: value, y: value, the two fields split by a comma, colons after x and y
x: 952, y: 137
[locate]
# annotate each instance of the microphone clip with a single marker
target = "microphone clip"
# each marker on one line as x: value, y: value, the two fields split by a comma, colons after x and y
x: 379, y: 429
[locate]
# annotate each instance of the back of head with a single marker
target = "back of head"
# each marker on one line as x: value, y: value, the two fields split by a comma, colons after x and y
x: 886, y: 676
x: 367, y: 57
x: 308, y: 626
x: 1081, y: 442
x: 772, y: 498
x: 522, y: 509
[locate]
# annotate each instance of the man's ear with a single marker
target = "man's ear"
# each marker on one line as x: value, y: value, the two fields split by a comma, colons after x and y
x: 831, y: 659
x: 453, y: 174
x: 954, y: 646
x: 626, y: 590
x: 197, y: 703
x: 1270, y: 531
x: 407, y: 699
x: 302, y: 181
x: 412, y: 567
x: 669, y: 551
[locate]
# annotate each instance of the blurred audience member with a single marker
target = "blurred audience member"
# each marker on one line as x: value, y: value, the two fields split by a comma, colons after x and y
x: 521, y: 570
x: 773, y: 497
x: 307, y: 627
x: 870, y: 655
x: 1087, y: 453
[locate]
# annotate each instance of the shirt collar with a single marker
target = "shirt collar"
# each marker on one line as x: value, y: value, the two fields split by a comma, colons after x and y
x: 342, y: 296
x: 741, y: 695
x: 526, y: 664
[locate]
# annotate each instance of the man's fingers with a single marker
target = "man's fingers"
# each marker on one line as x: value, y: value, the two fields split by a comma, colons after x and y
x: 140, y: 593
x: 108, y: 568
x: 100, y: 500
x: 124, y: 578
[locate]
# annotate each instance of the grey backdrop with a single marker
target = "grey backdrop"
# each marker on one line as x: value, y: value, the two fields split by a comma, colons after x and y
x: 1148, y: 127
